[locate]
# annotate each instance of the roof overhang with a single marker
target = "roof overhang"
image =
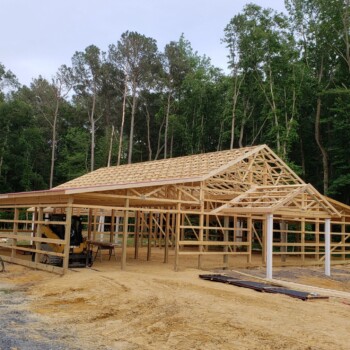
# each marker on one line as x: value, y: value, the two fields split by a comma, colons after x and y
x: 287, y: 200
x: 130, y: 185
x: 34, y: 198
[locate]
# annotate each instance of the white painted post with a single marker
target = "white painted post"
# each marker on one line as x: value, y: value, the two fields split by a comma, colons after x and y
x: 327, y: 242
x: 269, y: 241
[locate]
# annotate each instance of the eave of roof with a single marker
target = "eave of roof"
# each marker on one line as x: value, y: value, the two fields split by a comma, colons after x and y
x: 128, y: 185
x: 33, y: 193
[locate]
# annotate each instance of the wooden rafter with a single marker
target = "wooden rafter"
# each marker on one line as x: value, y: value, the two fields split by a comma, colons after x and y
x: 271, y: 199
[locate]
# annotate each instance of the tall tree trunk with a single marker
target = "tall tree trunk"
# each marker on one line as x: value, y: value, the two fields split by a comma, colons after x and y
x: 120, y: 146
x: 167, y: 126
x: 346, y: 24
x: 233, y: 121
x: 159, y: 147
x: 288, y: 122
x: 218, y: 147
x: 148, y: 119
x: 320, y: 146
x: 241, y: 133
x: 132, y: 123
x: 201, y: 147
x: 274, y: 111
x: 93, y: 127
x: 272, y: 103
x: 53, y: 150
x: 236, y: 91
x: 171, y: 144
x: 318, y: 134
x: 247, y: 113
x: 110, y: 147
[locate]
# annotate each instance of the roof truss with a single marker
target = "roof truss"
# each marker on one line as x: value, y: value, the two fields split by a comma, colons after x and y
x: 287, y: 199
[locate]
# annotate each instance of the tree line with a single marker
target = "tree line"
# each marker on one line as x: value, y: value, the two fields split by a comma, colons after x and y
x: 288, y: 87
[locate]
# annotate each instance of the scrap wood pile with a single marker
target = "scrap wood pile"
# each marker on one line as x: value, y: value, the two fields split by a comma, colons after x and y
x: 262, y: 287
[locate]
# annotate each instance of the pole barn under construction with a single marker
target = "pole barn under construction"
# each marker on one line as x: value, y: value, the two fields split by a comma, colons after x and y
x: 225, y: 203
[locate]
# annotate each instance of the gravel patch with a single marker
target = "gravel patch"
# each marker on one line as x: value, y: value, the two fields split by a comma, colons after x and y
x: 22, y: 330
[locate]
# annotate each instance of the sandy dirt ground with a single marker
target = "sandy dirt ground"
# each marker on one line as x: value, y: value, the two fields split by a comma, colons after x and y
x: 150, y: 306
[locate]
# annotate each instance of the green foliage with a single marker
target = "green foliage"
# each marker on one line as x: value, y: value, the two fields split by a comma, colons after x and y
x: 22, y: 150
x: 73, y: 154
x: 284, y: 72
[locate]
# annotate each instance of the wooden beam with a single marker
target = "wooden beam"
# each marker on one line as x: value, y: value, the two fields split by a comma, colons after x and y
x: 201, y: 224
x: 38, y: 234
x: 177, y: 232
x: 67, y: 232
x: 250, y: 238
x: 15, y: 232
x: 137, y: 234
x: 39, y: 266
x: 269, y: 245
x: 226, y: 239
x: 327, y: 240
x: 303, y: 239
x: 149, y: 240
x: 125, y: 234
x: 167, y: 233
x: 343, y: 238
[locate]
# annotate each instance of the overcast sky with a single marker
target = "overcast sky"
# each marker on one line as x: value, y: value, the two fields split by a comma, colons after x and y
x: 37, y: 36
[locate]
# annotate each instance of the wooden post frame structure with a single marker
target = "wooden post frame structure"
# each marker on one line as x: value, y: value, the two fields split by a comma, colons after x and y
x: 225, y: 204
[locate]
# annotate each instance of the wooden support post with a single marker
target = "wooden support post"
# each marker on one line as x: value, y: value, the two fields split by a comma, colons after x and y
x: 117, y: 229
x: 302, y: 239
x: 40, y: 217
x: 137, y: 233
x: 269, y: 245
x: 235, y: 229
x: 249, y: 238
x: 207, y: 224
x: 201, y: 224
x: 327, y: 241
x: 142, y: 227
x: 95, y: 225
x: 15, y: 232
x: 112, y: 227
x: 343, y: 241
x: 150, y: 231
x: 177, y: 232
x: 157, y: 228
x: 67, y: 231
x: 263, y: 241
x: 173, y: 225
x: 89, y: 231
x: 34, y: 225
x: 167, y: 233
x: 89, y: 237
x: 317, y: 239
x: 125, y: 234
x: 284, y: 240
x: 226, y: 239
x: 182, y: 232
